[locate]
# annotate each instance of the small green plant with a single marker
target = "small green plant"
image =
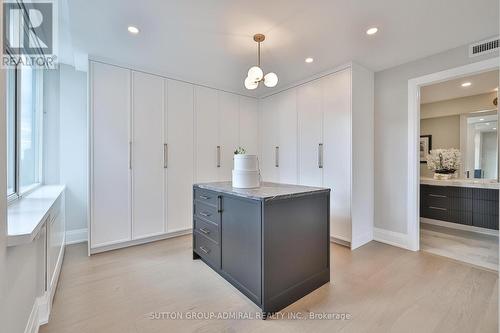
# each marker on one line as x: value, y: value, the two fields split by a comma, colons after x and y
x: 240, y: 151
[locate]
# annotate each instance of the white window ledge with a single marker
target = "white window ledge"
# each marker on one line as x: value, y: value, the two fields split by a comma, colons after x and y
x: 26, y: 217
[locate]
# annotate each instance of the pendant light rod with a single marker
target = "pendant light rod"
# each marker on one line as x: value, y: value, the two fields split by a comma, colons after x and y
x: 259, y: 38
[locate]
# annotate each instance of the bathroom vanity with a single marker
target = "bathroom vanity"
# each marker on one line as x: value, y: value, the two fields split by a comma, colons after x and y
x: 469, y: 202
x: 271, y: 243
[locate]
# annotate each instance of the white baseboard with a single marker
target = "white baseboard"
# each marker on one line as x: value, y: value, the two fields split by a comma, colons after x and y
x: 451, y: 225
x: 76, y: 236
x: 140, y: 241
x: 33, y: 325
x: 391, y: 237
x: 361, y: 240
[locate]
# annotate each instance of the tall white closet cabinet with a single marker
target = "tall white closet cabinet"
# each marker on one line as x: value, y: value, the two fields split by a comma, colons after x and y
x: 330, y: 121
x: 150, y: 139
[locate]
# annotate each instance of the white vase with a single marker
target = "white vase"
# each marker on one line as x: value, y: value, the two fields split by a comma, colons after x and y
x: 246, y: 172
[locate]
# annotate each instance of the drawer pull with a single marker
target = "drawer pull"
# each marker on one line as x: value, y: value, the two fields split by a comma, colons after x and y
x: 437, y: 195
x: 205, y: 231
x: 438, y: 208
x: 204, y: 197
x: 205, y: 214
x: 206, y: 251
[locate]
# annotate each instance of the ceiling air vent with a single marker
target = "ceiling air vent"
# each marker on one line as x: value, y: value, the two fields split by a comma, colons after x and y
x: 483, y: 47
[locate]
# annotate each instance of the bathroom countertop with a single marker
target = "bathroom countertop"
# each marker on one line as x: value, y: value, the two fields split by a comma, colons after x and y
x: 475, y: 183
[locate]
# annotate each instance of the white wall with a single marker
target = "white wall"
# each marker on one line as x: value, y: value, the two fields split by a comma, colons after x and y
x: 65, y: 139
x: 73, y: 145
x: 445, y: 133
x: 391, y: 132
x: 458, y: 106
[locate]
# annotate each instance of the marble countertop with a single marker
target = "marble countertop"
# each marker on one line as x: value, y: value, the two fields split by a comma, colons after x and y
x: 26, y: 216
x: 475, y: 183
x: 267, y: 191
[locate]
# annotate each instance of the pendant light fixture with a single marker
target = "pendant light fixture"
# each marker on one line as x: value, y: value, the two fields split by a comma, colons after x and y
x: 255, y: 73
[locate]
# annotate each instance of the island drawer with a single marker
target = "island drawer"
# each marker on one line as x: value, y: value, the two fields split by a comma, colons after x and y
x: 205, y: 196
x: 206, y: 212
x: 209, y: 229
x: 207, y: 249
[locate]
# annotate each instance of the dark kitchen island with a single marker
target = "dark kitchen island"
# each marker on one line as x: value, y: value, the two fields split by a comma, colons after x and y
x: 272, y: 242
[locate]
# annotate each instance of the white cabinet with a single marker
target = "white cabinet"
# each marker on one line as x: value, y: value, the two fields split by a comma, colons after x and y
x: 148, y: 172
x: 180, y: 166
x: 310, y: 128
x: 249, y: 125
x: 110, y: 161
x: 150, y: 138
x: 269, y: 151
x: 333, y: 134
x: 286, y: 106
x: 217, y: 133
x: 207, y: 134
x: 279, y: 137
x: 228, y: 133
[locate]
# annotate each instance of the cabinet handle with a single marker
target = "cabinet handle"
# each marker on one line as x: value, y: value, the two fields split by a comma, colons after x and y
x: 204, y: 197
x: 437, y: 195
x: 320, y: 156
x: 206, y: 251
x: 219, y: 204
x: 165, y: 155
x: 277, y: 156
x: 205, y: 231
x: 205, y: 214
x: 218, y: 156
x: 438, y: 208
x: 130, y: 155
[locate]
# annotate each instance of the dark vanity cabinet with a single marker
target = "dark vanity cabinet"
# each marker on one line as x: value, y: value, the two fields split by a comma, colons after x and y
x: 476, y: 207
x: 274, y: 250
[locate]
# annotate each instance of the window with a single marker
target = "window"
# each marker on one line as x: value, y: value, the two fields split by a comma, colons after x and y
x: 24, y: 130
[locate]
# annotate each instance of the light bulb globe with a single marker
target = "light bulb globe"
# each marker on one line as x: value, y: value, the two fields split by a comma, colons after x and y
x: 251, y: 84
x: 271, y: 80
x: 255, y: 73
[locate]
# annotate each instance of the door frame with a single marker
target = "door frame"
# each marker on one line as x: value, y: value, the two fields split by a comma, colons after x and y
x: 413, y: 181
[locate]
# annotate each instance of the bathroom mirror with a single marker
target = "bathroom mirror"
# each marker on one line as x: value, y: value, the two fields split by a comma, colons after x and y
x: 479, y: 136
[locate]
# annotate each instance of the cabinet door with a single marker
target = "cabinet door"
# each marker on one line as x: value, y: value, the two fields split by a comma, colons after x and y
x: 110, y: 188
x: 269, y: 153
x: 207, y: 132
x: 148, y: 183
x: 310, y: 125
x: 241, y: 244
x: 287, y: 133
x: 337, y: 151
x: 228, y: 133
x: 180, y: 155
x: 249, y: 125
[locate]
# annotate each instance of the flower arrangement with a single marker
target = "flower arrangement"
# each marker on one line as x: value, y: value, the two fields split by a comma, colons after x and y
x: 240, y: 151
x: 444, y: 161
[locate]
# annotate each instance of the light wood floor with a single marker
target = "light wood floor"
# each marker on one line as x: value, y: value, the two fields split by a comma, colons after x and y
x: 470, y: 247
x: 383, y: 288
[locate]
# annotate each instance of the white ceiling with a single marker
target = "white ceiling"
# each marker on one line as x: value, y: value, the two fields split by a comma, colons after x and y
x: 210, y: 42
x: 480, y: 84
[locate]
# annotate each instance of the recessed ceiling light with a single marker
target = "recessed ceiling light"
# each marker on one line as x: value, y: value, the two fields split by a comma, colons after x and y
x: 466, y: 84
x: 372, y: 31
x: 133, y: 30
x: 309, y: 60
x: 481, y: 119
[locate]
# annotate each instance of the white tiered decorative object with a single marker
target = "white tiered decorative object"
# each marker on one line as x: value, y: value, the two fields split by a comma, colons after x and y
x: 246, y: 172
